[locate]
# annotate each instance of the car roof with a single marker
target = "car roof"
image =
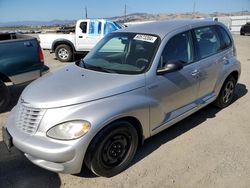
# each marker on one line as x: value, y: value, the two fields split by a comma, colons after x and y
x: 162, y: 28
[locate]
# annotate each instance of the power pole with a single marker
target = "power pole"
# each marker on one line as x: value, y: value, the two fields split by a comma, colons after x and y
x: 86, y: 12
x: 125, y: 13
x: 194, y: 10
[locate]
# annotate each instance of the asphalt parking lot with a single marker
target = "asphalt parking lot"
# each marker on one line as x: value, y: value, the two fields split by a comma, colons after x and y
x: 208, y: 149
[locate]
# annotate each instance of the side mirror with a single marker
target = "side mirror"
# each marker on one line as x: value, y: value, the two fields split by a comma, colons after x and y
x: 171, y: 66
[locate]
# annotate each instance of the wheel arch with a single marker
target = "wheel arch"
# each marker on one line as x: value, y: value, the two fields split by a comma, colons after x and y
x: 4, y: 78
x: 235, y: 74
x: 137, y: 125
x: 132, y: 120
x: 63, y: 41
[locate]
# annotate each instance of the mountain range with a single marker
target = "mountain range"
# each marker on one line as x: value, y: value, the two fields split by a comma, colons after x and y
x: 128, y: 18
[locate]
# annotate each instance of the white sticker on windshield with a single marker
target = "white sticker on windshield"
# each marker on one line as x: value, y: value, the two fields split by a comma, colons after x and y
x: 146, y: 38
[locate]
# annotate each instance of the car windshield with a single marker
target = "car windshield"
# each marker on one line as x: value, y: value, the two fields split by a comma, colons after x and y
x: 122, y: 53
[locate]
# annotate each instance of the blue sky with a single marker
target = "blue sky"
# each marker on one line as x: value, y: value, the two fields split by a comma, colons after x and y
x: 45, y: 10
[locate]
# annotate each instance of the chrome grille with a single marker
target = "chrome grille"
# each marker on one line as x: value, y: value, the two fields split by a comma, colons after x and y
x: 29, y: 119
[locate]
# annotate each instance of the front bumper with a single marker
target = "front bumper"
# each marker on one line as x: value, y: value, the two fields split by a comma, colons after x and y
x: 55, y: 155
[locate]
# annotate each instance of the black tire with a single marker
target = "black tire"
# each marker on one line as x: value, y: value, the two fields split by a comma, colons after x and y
x: 64, y: 53
x: 112, y: 149
x: 242, y: 33
x: 226, y: 94
x: 4, y: 96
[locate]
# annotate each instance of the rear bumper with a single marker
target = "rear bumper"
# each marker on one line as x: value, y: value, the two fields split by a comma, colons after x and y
x: 44, y: 70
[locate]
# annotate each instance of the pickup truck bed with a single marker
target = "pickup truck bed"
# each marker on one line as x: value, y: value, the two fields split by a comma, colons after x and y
x: 21, y: 60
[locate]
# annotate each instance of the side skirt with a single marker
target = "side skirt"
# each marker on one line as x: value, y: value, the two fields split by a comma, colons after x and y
x: 183, y: 112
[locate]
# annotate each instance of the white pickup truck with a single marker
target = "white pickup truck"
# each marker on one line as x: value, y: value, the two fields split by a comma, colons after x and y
x: 87, y: 33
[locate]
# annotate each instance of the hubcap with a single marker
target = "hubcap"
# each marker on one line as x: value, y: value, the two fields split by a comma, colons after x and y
x: 63, y: 53
x: 115, y: 149
x: 228, y: 92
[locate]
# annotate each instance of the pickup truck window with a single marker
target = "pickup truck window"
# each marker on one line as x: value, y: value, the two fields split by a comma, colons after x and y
x: 95, y: 28
x: 122, y: 53
x: 83, y: 26
x: 109, y: 27
x: 91, y: 27
x: 99, y: 28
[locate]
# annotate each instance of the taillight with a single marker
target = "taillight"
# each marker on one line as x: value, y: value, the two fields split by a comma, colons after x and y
x: 40, y: 54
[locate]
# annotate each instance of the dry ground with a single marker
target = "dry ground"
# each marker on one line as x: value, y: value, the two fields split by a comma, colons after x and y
x: 208, y: 149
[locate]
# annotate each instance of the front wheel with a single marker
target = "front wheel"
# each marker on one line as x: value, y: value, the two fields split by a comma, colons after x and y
x: 226, y: 94
x: 112, y: 149
x: 64, y: 53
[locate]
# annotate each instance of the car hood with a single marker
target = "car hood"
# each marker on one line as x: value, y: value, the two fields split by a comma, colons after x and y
x: 72, y: 85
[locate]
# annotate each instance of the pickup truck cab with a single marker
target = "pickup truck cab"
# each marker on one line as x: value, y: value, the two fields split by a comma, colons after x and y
x: 21, y: 60
x: 87, y: 33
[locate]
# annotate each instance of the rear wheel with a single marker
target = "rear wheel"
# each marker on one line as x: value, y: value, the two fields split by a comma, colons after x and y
x: 226, y: 94
x: 112, y: 149
x: 4, y: 96
x: 64, y: 53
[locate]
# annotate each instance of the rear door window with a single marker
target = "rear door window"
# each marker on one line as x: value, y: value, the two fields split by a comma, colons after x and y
x: 225, y: 39
x: 207, y: 40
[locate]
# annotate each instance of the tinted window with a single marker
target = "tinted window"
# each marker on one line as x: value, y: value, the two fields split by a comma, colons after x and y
x: 108, y: 28
x: 99, y: 27
x: 91, y: 27
x: 207, y: 40
x: 83, y: 26
x: 225, y: 39
x: 178, y: 48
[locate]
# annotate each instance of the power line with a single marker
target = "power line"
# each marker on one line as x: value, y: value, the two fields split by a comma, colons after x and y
x: 194, y: 6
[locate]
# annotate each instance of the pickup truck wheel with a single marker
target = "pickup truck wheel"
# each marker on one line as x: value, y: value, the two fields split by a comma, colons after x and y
x: 4, y: 96
x: 226, y: 94
x: 64, y: 53
x: 112, y: 149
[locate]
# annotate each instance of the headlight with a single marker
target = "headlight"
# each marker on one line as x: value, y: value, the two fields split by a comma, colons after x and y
x: 69, y: 130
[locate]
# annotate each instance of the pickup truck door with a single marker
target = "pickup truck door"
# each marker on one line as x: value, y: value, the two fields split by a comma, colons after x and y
x: 88, y: 34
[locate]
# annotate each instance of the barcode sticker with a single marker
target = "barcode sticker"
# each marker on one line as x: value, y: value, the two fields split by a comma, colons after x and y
x: 146, y: 38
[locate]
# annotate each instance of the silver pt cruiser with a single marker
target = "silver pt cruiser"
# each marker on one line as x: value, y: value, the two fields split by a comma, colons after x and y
x: 135, y: 83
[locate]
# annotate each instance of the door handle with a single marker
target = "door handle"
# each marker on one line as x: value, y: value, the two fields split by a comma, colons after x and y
x: 80, y: 36
x: 226, y: 61
x: 196, y: 74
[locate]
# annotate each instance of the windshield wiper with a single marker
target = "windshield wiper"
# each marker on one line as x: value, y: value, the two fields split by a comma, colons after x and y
x: 103, y: 69
x: 93, y: 67
x: 82, y: 63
